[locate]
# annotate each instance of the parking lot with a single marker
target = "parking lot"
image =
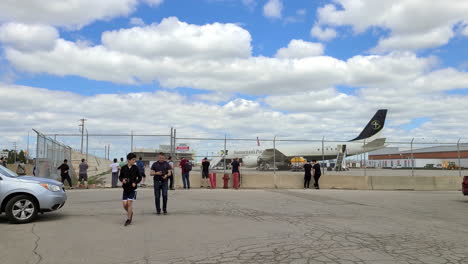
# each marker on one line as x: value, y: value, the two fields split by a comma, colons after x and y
x: 247, y: 226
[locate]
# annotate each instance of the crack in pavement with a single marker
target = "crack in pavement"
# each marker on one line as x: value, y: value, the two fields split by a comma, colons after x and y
x: 36, y: 245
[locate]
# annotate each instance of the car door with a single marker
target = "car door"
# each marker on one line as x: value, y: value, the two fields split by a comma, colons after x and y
x: 2, y: 183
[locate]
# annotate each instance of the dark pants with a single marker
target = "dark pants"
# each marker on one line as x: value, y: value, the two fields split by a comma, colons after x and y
x: 158, y: 187
x: 307, y: 179
x: 115, y: 178
x: 316, y: 179
x: 186, y: 179
x: 67, y: 178
x: 171, y: 181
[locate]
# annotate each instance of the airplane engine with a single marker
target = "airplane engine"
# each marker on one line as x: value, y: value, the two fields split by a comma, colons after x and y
x: 250, y: 161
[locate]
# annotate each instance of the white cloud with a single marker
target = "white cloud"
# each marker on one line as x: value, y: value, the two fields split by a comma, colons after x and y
x: 136, y: 21
x: 313, y: 114
x: 301, y: 12
x: 215, y: 97
x: 214, y: 57
x: 68, y: 13
x: 322, y: 34
x: 249, y: 3
x: 153, y: 2
x: 413, y: 24
x: 173, y: 38
x: 465, y: 30
x: 300, y: 49
x: 414, y: 41
x: 273, y: 9
x: 28, y: 37
x: 298, y: 81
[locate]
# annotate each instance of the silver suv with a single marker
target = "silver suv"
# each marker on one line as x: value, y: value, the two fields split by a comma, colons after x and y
x: 22, y: 197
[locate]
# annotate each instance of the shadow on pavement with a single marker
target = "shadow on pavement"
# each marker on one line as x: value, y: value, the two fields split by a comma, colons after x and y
x: 48, y: 217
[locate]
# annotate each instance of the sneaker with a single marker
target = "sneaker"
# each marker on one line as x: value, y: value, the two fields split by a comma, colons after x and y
x: 158, y: 212
x: 165, y: 212
x: 127, y: 222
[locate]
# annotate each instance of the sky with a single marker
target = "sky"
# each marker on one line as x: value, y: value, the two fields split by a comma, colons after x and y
x: 241, y: 68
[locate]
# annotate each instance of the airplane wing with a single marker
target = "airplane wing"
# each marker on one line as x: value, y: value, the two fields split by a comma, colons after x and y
x: 269, y: 154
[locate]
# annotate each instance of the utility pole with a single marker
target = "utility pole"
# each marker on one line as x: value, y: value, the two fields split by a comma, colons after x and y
x: 82, y: 132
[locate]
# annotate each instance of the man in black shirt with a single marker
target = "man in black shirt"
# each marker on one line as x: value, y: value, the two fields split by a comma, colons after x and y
x: 160, y: 170
x: 64, y: 168
x: 317, y: 174
x: 307, y: 175
x: 130, y: 177
x: 205, y: 172
x: 235, y: 168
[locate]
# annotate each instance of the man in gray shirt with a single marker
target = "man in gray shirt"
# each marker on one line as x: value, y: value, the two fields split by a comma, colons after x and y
x: 83, y: 174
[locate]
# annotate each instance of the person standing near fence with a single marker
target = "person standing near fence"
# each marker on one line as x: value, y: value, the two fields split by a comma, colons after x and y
x: 307, y: 175
x: 64, y: 173
x: 122, y: 163
x: 205, y: 172
x: 186, y: 167
x: 235, y: 166
x: 83, y: 174
x: 171, y: 173
x: 115, y: 173
x: 317, y: 174
x: 160, y: 170
x: 141, y: 167
x: 130, y: 177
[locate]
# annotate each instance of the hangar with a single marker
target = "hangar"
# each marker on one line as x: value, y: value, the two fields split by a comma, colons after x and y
x: 430, y: 157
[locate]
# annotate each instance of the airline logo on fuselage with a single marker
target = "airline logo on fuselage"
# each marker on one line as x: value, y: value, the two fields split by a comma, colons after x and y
x: 248, y: 152
x: 376, y: 125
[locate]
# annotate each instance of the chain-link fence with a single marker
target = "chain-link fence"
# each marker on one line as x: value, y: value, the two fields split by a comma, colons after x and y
x: 274, y: 161
x: 49, y: 156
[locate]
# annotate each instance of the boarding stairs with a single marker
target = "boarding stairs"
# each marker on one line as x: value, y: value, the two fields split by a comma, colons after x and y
x: 340, y: 158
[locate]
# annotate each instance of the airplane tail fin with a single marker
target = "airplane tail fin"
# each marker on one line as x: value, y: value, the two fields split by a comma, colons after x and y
x: 374, y: 126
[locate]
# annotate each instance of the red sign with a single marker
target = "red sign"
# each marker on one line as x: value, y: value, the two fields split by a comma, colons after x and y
x: 182, y: 148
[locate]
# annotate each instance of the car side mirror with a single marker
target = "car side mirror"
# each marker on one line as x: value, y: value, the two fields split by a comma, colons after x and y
x: 1, y: 179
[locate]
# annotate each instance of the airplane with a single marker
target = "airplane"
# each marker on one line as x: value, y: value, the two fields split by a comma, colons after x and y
x: 264, y: 159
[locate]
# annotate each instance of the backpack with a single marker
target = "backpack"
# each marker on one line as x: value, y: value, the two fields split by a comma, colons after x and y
x: 188, y: 166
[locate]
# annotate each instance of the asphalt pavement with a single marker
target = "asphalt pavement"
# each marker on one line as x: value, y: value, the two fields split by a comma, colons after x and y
x: 247, y: 226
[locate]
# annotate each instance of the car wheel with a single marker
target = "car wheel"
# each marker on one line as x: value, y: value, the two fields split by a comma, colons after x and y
x: 21, y: 209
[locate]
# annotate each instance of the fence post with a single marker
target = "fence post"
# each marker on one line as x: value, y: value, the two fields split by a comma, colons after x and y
x: 224, y: 155
x: 175, y: 138
x: 364, y: 154
x: 412, y: 158
x: 274, y: 162
x: 459, y: 162
x: 87, y: 144
x: 171, y: 145
x: 323, y: 155
x: 37, y: 155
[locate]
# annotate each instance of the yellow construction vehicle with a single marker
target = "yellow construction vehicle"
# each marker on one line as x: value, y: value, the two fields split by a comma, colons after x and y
x: 451, y: 165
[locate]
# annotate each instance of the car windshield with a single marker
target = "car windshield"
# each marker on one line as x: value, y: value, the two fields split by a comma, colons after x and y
x: 6, y: 172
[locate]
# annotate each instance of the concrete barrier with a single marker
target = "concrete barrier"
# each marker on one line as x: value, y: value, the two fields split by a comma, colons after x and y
x: 391, y: 183
x: 267, y: 181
